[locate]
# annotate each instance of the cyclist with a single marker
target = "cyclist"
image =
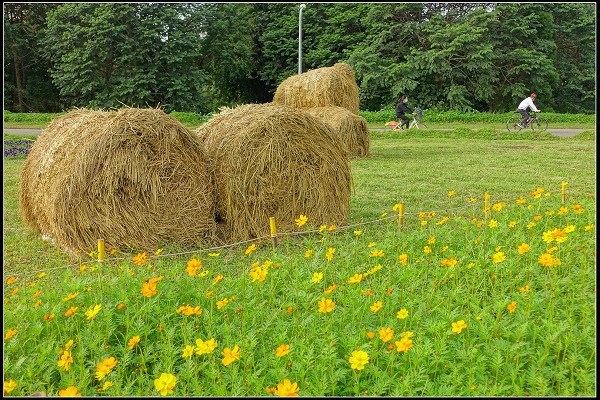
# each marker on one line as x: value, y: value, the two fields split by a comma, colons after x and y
x: 522, y: 109
x: 402, y: 108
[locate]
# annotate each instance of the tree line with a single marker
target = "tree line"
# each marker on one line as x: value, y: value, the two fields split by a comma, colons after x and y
x: 196, y: 57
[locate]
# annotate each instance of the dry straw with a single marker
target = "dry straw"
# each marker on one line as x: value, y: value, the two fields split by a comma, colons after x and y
x: 321, y: 87
x: 133, y: 177
x: 353, y: 129
x: 272, y: 160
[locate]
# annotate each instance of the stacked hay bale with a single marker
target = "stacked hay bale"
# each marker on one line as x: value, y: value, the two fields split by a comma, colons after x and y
x: 133, y: 177
x: 353, y: 129
x: 270, y: 160
x: 321, y: 87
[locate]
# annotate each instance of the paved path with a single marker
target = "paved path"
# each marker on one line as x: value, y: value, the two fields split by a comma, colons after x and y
x: 556, y: 132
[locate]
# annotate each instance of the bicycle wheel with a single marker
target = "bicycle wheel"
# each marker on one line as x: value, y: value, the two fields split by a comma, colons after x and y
x: 540, y: 124
x: 512, y: 125
x: 422, y: 126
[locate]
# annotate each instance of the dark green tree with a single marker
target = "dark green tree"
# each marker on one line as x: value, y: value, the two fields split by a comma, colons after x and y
x: 27, y: 85
x: 110, y: 55
x: 575, y: 38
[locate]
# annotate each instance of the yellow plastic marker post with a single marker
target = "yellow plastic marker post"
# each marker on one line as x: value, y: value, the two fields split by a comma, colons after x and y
x: 273, y: 231
x: 100, y: 249
x: 564, y: 191
x: 400, y: 216
x: 486, y: 204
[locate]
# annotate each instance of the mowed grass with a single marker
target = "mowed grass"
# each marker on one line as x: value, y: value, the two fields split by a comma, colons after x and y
x: 530, y: 328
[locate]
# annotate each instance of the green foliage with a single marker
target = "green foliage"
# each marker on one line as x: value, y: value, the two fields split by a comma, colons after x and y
x: 196, y: 57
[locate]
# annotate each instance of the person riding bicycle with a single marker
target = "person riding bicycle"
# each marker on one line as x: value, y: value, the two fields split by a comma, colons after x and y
x: 402, y: 108
x: 522, y: 109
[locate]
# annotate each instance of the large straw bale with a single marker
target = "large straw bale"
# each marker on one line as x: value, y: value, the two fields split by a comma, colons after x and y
x: 328, y: 86
x: 133, y: 177
x: 271, y: 160
x: 353, y: 129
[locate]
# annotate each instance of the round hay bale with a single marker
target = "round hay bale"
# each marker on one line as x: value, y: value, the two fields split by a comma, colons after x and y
x: 271, y: 160
x: 328, y: 86
x: 353, y: 129
x: 133, y: 177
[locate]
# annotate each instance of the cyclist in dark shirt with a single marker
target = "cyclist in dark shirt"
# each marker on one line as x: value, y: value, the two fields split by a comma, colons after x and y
x: 402, y: 108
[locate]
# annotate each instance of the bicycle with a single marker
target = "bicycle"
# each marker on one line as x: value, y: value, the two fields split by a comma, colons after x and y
x: 535, y: 123
x: 415, y: 123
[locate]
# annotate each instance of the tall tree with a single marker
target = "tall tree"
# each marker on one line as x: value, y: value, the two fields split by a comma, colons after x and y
x: 109, y: 55
x: 27, y: 86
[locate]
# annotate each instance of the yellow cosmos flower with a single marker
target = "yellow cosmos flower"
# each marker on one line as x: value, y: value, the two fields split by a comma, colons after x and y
x: 287, y: 389
x: 524, y: 289
x: 426, y: 249
x: 523, y: 248
x: 282, y: 350
x: 316, y: 277
x: 140, y: 259
x: 326, y: 305
x: 386, y: 334
x: 520, y: 200
x: 530, y: 225
x: 230, y: 355
x: 537, y: 193
x: 404, y: 344
x: 149, y: 289
x: 499, y: 257
x: 193, y: 266
x: 330, y: 289
x: 258, y: 274
x: 50, y: 317
x: 377, y: 306
x: 332, y: 228
x: 218, y: 279
x: 302, y: 219
x: 357, y: 233
x: 493, y: 223
x: 589, y: 227
x: 358, y: 360
x: 71, y: 391
x: 329, y: 253
x: 188, y: 351
x: 71, y: 296
x: 403, y: 258
x: 512, y: 307
x: 403, y: 313
x: 133, y: 341
x: 512, y: 224
x: 9, y: 386
x: 65, y: 360
x: 471, y: 199
x: 11, y: 280
x: 547, y: 260
x: 251, y: 249
x: 356, y: 278
x: 371, y: 244
x: 376, y: 253
x: 165, y: 384
x: 569, y: 229
x: 578, y: 209
x: 451, y: 193
x: 498, y: 206
x: 458, y: 326
x: 10, y: 333
x: 104, y: 367
x: 205, y: 347
x: 424, y: 222
x: 449, y: 262
x: 213, y: 254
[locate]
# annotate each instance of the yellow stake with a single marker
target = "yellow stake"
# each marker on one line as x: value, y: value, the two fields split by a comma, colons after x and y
x: 486, y: 204
x: 400, y: 215
x: 100, y: 249
x: 564, y: 191
x: 273, y: 231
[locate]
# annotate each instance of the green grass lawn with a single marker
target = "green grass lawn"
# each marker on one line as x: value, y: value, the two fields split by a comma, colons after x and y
x: 530, y: 328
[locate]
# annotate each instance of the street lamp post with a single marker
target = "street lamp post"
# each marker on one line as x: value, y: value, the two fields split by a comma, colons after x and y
x: 302, y: 7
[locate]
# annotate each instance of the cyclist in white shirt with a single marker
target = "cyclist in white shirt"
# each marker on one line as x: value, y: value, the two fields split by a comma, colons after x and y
x: 524, y: 105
